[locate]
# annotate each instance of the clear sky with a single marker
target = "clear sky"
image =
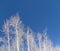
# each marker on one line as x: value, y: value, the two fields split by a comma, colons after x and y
x: 37, y: 14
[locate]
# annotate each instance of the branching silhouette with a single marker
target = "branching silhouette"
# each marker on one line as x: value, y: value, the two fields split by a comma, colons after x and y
x: 18, y: 39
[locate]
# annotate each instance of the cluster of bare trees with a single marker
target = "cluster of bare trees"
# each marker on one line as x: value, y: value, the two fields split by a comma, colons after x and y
x: 18, y: 39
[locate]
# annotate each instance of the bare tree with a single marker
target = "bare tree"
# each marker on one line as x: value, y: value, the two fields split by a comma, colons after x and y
x: 16, y: 23
x: 15, y: 34
x: 6, y: 30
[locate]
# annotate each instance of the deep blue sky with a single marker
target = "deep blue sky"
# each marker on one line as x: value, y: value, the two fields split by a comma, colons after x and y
x: 37, y: 14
